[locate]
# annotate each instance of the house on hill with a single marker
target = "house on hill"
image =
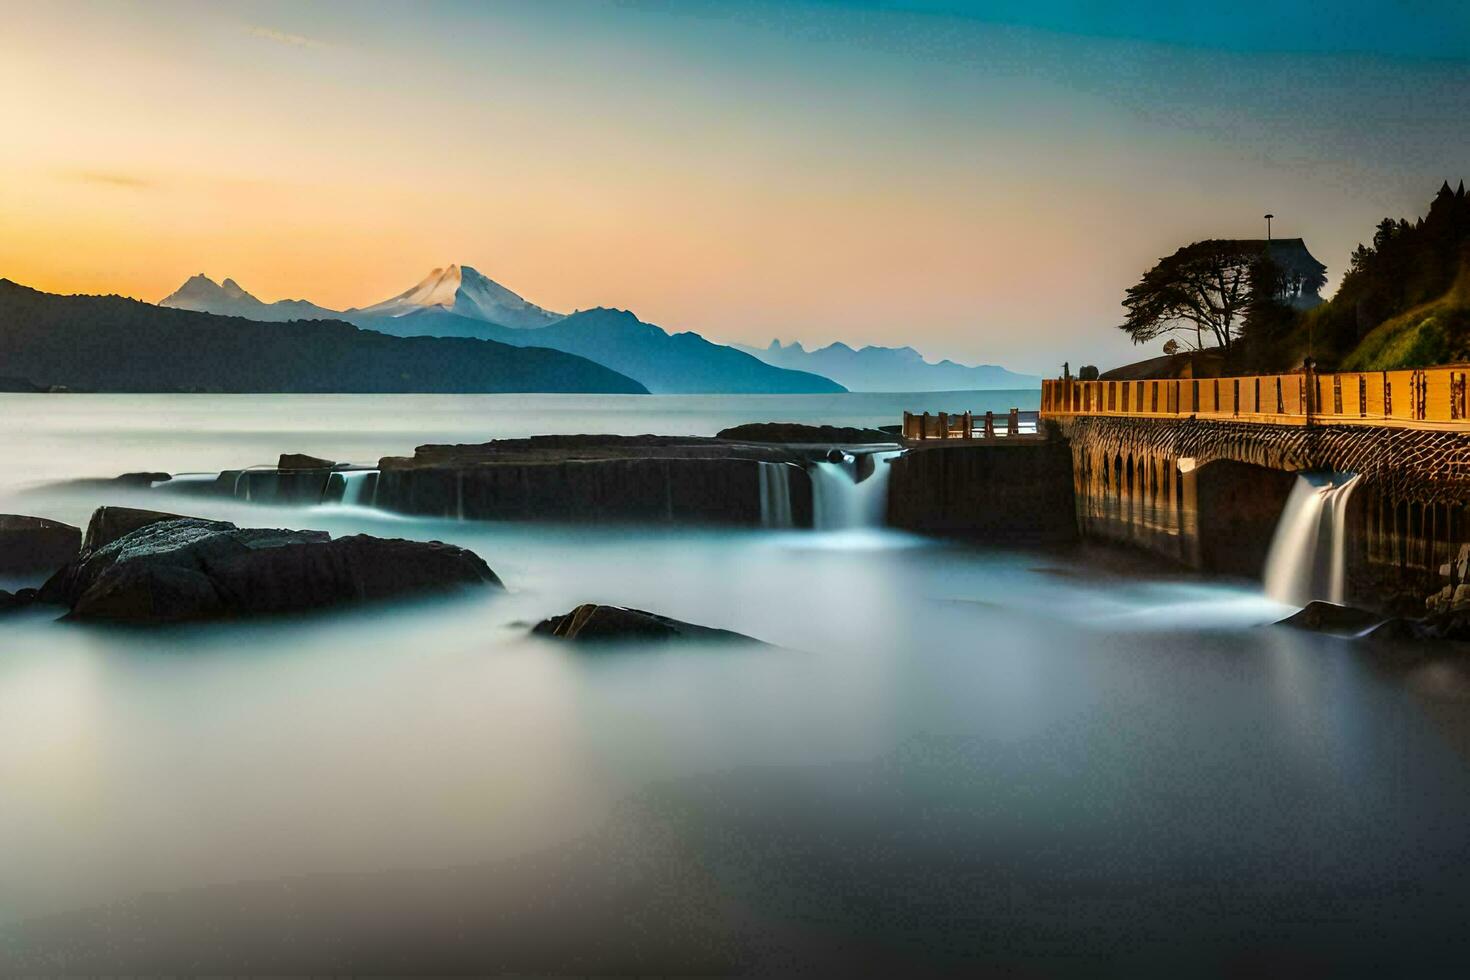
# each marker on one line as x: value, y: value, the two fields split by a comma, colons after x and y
x: 1305, y: 276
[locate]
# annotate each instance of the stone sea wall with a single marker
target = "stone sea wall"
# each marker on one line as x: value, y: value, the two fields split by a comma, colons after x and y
x: 1012, y: 493
x: 1208, y: 495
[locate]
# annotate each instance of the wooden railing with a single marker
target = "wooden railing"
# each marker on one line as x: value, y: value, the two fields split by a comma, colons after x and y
x: 968, y: 425
x: 1428, y: 398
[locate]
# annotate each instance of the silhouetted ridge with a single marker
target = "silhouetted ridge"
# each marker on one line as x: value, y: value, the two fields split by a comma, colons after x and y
x: 109, y: 343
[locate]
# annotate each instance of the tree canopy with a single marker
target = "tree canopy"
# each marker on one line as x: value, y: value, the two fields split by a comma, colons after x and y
x: 1203, y: 288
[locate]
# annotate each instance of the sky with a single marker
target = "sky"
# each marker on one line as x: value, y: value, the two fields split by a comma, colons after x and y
x: 979, y: 180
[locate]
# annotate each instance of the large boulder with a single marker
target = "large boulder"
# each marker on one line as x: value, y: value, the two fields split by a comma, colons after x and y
x: 183, y: 568
x: 110, y: 523
x: 35, y: 545
x: 591, y: 622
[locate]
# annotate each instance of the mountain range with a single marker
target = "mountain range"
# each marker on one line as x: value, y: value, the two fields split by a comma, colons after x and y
x: 202, y: 294
x: 110, y: 343
x: 888, y: 368
x: 457, y: 301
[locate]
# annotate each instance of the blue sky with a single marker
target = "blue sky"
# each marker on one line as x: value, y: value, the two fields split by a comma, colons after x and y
x: 982, y: 181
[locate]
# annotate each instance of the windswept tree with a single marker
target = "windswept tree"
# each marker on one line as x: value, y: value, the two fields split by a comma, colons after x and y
x: 1202, y: 289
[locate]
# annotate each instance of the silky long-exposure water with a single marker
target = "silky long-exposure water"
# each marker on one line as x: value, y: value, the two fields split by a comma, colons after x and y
x: 948, y: 756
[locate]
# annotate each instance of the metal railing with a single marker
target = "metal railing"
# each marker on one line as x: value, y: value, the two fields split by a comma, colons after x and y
x: 1427, y: 398
x: 967, y: 425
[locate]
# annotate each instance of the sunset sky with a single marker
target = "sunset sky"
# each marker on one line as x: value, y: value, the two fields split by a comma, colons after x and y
x: 981, y: 181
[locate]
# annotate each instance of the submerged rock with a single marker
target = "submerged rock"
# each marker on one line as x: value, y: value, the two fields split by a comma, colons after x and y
x: 182, y: 568
x: 32, y: 545
x: 1454, y: 625
x: 591, y: 622
x: 1329, y: 617
x: 1397, y: 630
x: 144, y: 480
x: 11, y: 601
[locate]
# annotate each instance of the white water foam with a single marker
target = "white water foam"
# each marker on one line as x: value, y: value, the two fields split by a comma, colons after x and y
x: 775, y: 494
x: 1308, y: 557
x: 842, y: 500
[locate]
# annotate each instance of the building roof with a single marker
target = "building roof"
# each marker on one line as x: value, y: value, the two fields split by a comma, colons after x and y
x: 1290, y: 254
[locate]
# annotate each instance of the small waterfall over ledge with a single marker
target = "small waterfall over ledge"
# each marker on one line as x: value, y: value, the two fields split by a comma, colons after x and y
x: 850, y: 494
x: 1308, y: 557
x: 360, y: 488
x: 775, y: 494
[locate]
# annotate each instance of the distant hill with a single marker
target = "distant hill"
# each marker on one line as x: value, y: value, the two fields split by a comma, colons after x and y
x: 440, y: 323
x: 109, y: 343
x: 203, y: 295
x: 889, y: 368
x: 681, y: 363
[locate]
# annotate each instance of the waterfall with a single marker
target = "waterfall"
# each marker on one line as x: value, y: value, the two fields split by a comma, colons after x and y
x: 775, y: 494
x: 845, y: 494
x: 1308, y: 557
x: 361, y: 487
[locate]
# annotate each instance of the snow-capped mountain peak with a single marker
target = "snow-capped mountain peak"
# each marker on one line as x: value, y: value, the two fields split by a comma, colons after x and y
x: 463, y: 291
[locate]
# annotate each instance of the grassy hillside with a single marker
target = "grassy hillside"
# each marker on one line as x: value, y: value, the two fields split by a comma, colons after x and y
x: 1437, y: 332
x: 1404, y: 301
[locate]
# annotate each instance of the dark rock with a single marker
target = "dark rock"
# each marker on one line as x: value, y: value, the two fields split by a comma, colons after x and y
x: 796, y: 432
x: 30, y: 545
x: 110, y: 523
x: 591, y: 622
x: 185, y: 568
x: 1329, y: 617
x: 300, y: 461
x: 1450, y: 625
x: 144, y: 480
x: 11, y: 601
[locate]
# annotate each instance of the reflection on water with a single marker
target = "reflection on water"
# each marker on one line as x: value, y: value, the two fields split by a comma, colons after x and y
x: 951, y: 756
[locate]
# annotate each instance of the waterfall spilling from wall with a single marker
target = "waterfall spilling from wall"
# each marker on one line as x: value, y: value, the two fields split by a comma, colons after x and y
x: 775, y: 494
x: 360, y: 489
x: 850, y: 493
x: 1308, y: 557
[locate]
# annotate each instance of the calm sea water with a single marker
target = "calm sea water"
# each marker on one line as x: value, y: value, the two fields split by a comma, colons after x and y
x: 951, y: 756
